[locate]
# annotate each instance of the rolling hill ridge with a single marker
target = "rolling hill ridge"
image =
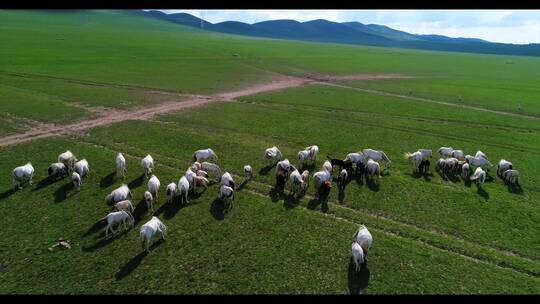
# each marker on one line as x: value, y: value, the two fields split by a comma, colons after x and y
x: 321, y: 30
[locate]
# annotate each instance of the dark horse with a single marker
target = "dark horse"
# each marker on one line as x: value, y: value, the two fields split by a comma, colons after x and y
x: 340, y: 163
x: 424, y: 166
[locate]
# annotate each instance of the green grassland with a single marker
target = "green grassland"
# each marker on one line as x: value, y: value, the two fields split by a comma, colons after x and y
x: 258, y: 246
x: 431, y: 235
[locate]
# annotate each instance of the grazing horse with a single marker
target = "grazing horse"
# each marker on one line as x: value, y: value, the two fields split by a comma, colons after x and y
x: 205, y: 154
x: 415, y: 159
x: 313, y: 152
x: 451, y: 166
x: 480, y: 154
x: 466, y: 171
x: 309, y: 153
x: 373, y: 170
x: 503, y: 166
x: 342, y: 180
x: 358, y: 159
x: 511, y: 176
x: 478, y: 162
x: 446, y: 151
x: 458, y: 154
x: 479, y: 176
x: 423, y: 168
x: 272, y: 154
x: 426, y: 153
x: 377, y: 156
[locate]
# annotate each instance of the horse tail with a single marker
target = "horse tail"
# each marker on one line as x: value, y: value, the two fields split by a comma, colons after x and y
x: 384, y: 156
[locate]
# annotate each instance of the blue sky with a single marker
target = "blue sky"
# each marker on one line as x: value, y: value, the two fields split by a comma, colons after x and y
x: 508, y: 26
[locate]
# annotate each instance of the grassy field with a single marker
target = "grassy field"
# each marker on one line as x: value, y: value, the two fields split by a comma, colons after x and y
x: 431, y: 235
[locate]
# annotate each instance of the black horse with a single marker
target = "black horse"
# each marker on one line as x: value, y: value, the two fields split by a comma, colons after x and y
x: 340, y: 163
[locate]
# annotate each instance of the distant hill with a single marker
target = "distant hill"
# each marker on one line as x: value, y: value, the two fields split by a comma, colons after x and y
x: 321, y: 30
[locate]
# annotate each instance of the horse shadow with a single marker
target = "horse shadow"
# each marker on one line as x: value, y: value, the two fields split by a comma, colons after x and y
x: 426, y: 176
x: 483, y: 193
x: 443, y: 176
x: 341, y: 196
x: 513, y: 188
x: 467, y: 182
x: 453, y: 178
x: 46, y: 181
x: 137, y: 182
x: 359, y: 179
x: 171, y: 208
x: 62, y: 193
x: 107, y: 180
x: 358, y: 280
x: 310, y: 167
x: 275, y: 194
x: 372, y: 185
x: 290, y: 201
x: 96, y: 227
x: 218, y: 209
x: 323, y: 201
x: 8, y: 193
x: 135, y: 262
x: 104, y: 241
x: 242, y: 185
x: 341, y: 191
x: 139, y: 211
x: 266, y: 169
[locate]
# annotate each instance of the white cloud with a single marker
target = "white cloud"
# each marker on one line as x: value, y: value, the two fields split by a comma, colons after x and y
x: 508, y: 26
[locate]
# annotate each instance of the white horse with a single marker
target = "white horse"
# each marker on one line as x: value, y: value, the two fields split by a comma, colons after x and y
x: 147, y: 163
x: 373, y: 170
x: 283, y: 166
x: 458, y: 154
x: 466, y: 170
x: 478, y: 162
x: 479, y: 176
x: 149, y: 231
x: 480, y: 154
x: 426, y: 153
x: 377, y: 156
x: 211, y: 168
x: 22, y: 174
x: 302, y: 157
x: 511, y: 176
x: 120, y: 165
x: 309, y: 153
x: 272, y: 154
x: 415, y: 159
x: 205, y: 154
x: 503, y: 166
x: 446, y: 151
x: 364, y: 238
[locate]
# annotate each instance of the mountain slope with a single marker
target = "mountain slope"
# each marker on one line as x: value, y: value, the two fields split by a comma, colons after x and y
x: 349, y: 33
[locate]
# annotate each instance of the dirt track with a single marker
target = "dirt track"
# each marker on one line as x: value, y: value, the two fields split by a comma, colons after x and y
x: 114, y: 116
x: 279, y: 82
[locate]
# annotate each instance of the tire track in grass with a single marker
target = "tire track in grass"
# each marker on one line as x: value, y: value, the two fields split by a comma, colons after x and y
x: 444, y: 103
x: 482, y: 253
x: 399, y: 116
x: 404, y: 129
x: 417, y: 240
